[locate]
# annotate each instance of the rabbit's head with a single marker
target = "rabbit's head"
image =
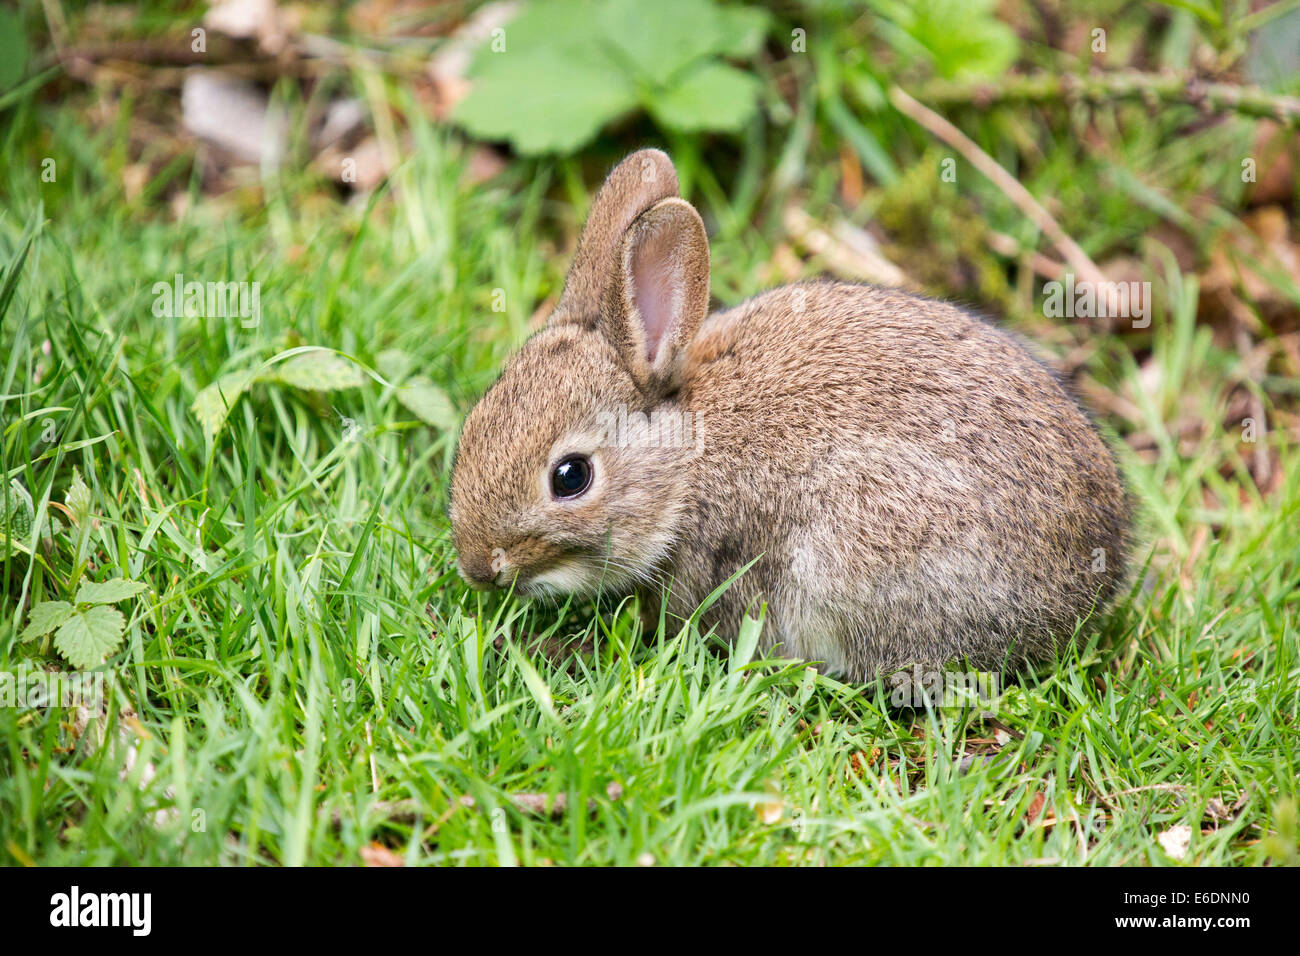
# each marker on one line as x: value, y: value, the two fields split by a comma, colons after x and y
x: 570, y: 473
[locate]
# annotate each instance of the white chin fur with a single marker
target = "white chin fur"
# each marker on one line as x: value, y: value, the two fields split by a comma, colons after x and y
x: 569, y: 577
x: 573, y: 577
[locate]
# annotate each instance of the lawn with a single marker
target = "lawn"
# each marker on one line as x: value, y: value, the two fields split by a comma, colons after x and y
x: 302, y: 678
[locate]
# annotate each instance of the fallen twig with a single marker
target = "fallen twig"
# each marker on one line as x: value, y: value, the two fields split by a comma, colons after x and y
x: 939, y: 127
x: 1119, y: 85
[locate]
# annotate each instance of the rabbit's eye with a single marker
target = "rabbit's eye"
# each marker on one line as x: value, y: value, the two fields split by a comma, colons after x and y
x: 571, y: 477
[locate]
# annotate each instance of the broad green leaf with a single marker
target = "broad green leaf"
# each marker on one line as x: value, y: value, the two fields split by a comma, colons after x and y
x: 429, y: 403
x: 553, y: 86
x: 712, y: 97
x: 741, y: 31
x: 88, y: 636
x: 545, y: 25
x: 213, y: 402
x: 565, y: 68
x: 109, y: 592
x: 321, y: 371
x: 44, y: 618
x: 551, y: 101
x: 660, y: 39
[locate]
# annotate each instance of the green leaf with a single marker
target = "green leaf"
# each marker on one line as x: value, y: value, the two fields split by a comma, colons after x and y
x: 551, y: 101
x: 17, y: 515
x: 741, y: 31
x: 961, y: 38
x: 13, y: 48
x: 321, y: 371
x: 662, y: 38
x: 536, y: 686
x: 88, y: 636
x: 317, y: 369
x: 429, y: 403
x: 873, y: 155
x: 544, y: 25
x: 394, y: 364
x: 45, y: 617
x: 746, y: 644
x: 213, y: 402
x: 78, y: 499
x: 18, y: 258
x: 713, y: 97
x: 109, y: 592
x: 552, y: 87
x: 569, y: 67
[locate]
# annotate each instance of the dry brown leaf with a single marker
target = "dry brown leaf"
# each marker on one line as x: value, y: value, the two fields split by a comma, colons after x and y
x: 860, y: 760
x: 850, y: 176
x: 376, y: 854
x: 1035, y: 807
x: 1243, y: 263
x: 1275, y: 150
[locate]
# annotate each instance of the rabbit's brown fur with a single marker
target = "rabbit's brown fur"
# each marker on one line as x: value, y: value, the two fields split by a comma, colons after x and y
x: 915, y: 487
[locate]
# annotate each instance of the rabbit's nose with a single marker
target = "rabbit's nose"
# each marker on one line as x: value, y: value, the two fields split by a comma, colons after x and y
x: 477, y: 571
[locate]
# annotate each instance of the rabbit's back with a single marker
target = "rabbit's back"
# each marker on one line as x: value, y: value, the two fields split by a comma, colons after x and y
x: 919, y: 486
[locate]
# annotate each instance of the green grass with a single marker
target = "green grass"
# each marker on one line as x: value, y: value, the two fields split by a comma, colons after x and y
x: 307, y: 677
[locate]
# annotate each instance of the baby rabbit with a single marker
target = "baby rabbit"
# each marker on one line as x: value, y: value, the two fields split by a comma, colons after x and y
x: 915, y: 487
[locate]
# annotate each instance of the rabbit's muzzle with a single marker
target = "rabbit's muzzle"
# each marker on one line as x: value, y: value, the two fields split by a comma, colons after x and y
x: 478, y: 571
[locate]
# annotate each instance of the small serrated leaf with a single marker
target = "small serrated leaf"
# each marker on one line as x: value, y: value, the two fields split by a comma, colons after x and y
x: 78, y: 500
x: 320, y: 371
x: 88, y: 636
x: 45, y: 617
x: 109, y: 592
x: 16, y: 517
x: 213, y: 402
x: 429, y: 402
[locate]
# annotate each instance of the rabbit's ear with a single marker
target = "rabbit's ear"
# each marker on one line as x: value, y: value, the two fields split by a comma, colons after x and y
x: 635, y: 184
x: 658, y: 293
